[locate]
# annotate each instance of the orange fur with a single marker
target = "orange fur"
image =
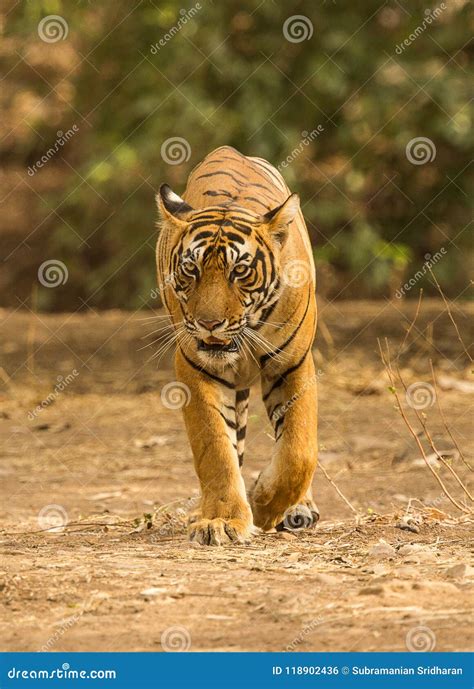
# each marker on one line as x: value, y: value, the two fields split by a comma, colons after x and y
x: 237, y: 277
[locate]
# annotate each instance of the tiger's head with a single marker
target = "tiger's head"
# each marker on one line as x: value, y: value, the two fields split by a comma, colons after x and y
x: 224, y: 268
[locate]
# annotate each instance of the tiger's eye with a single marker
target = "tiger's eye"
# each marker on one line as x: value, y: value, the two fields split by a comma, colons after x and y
x: 189, y: 268
x: 241, y: 271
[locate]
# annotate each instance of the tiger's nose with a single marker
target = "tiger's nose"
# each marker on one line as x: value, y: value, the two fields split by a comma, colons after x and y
x: 209, y: 325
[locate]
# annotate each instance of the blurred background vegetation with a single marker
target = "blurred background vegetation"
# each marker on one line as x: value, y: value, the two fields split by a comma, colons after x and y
x: 229, y: 76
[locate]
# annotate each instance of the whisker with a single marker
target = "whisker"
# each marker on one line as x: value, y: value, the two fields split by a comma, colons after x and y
x: 155, y: 317
x: 276, y: 353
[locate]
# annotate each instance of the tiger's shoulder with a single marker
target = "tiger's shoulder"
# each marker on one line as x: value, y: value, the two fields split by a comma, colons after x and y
x: 251, y: 169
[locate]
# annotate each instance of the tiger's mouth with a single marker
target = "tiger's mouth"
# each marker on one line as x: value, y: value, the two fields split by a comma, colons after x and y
x: 215, y: 345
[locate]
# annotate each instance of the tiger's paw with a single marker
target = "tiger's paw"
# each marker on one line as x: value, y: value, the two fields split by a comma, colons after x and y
x: 219, y: 531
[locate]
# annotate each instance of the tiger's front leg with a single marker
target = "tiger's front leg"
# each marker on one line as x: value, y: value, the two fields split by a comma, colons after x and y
x: 291, y: 401
x: 224, y: 515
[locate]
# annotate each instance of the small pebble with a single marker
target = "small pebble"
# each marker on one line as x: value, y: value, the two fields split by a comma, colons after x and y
x: 382, y: 549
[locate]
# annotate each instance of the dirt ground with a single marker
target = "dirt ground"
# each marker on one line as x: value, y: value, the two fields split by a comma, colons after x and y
x: 106, y: 464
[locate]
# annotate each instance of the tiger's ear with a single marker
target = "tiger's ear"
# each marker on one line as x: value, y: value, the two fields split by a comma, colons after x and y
x: 279, y: 219
x: 172, y: 207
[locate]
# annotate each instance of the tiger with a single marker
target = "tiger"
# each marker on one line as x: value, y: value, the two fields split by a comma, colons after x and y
x: 237, y: 278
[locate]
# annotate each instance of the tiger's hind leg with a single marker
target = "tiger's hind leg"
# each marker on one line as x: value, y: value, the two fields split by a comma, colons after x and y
x: 291, y: 404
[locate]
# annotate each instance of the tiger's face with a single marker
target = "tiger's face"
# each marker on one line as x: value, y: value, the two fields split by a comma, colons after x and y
x: 224, y: 269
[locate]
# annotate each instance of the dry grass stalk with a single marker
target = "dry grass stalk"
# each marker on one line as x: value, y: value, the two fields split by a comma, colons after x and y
x: 443, y: 418
x: 429, y: 437
x: 336, y: 488
x: 386, y: 360
x: 450, y: 315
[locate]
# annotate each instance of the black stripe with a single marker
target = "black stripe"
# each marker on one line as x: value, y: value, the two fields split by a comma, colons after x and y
x: 281, y: 379
x: 219, y: 193
x: 273, y: 410
x: 241, y: 459
x: 252, y: 198
x: 265, y: 314
x: 223, y: 382
x: 242, y: 395
x: 233, y: 237
x: 221, y: 172
x: 204, y: 223
x: 230, y: 423
x: 237, y: 226
x: 266, y: 187
x: 265, y: 357
x: 203, y: 235
x: 278, y: 424
x: 241, y: 433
